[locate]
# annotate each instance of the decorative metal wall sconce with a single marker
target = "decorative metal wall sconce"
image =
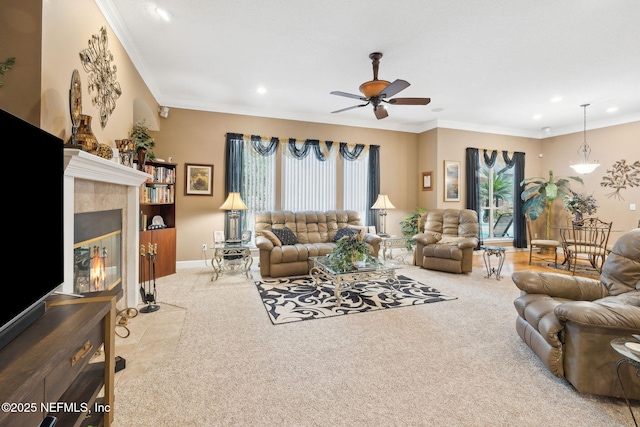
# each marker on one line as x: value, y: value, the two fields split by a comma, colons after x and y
x: 96, y: 60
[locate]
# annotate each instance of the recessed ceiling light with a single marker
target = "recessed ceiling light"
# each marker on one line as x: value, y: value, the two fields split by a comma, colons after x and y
x: 261, y: 90
x: 556, y: 99
x: 537, y: 117
x: 612, y: 109
x: 163, y: 14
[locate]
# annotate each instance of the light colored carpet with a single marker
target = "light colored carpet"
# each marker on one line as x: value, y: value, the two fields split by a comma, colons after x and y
x: 458, y: 363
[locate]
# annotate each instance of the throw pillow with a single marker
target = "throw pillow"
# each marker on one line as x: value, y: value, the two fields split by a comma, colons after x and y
x: 360, y: 228
x: 348, y: 232
x: 274, y: 239
x: 286, y: 236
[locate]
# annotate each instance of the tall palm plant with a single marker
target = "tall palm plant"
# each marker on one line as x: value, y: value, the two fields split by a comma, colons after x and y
x: 540, y: 194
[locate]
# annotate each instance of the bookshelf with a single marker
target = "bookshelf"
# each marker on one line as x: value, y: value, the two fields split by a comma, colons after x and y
x: 158, y: 198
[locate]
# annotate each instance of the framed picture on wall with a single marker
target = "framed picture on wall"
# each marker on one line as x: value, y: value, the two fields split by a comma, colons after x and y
x: 198, y: 180
x: 427, y: 181
x: 451, y: 181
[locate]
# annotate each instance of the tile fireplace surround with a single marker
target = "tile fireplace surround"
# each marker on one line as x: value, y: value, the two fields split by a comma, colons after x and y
x: 93, y: 184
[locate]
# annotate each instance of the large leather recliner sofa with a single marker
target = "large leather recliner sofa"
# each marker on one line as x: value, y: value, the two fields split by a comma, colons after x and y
x: 447, y: 240
x: 314, y: 232
x: 569, y: 321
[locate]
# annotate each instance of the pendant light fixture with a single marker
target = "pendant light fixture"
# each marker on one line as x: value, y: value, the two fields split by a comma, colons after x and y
x: 584, y: 151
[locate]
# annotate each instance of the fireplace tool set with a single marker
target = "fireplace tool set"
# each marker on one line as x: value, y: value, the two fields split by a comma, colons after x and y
x: 148, y: 275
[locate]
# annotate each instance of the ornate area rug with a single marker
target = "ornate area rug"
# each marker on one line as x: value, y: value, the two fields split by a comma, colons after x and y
x: 583, y: 270
x: 291, y: 299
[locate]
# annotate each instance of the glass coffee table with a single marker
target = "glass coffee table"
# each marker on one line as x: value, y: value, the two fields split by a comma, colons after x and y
x: 321, y: 272
x: 623, y: 347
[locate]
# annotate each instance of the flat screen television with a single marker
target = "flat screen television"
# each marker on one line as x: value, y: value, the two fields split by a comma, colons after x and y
x: 33, y: 244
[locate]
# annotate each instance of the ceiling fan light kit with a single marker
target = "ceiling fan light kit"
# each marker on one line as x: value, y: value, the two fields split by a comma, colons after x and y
x: 375, y: 92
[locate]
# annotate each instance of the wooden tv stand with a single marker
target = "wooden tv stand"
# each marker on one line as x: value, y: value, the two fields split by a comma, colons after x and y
x: 47, y: 370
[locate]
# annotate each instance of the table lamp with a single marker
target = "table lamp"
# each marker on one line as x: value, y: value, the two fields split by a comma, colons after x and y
x: 383, y: 203
x: 234, y: 204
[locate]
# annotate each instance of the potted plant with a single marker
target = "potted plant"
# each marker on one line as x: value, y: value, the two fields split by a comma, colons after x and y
x: 409, y: 226
x: 579, y: 204
x: 540, y: 194
x: 143, y: 143
x: 348, y: 251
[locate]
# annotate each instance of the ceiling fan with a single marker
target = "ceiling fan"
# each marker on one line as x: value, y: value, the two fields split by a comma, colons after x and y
x: 375, y: 92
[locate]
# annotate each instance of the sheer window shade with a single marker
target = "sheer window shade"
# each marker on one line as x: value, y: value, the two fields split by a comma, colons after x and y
x: 308, y: 183
x: 354, y: 184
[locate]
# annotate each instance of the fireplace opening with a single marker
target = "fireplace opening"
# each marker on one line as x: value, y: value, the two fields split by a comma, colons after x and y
x: 97, y: 251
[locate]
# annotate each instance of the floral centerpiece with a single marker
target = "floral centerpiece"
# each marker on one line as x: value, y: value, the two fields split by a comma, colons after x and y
x: 579, y: 205
x: 348, y: 252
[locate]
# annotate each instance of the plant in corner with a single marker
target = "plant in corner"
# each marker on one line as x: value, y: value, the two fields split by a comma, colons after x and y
x: 143, y: 142
x: 539, y: 194
x: 409, y: 226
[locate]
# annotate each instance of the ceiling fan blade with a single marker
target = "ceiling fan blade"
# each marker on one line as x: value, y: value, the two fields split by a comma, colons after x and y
x: 350, y: 108
x: 380, y: 112
x: 393, y: 88
x: 409, y: 101
x: 349, y: 95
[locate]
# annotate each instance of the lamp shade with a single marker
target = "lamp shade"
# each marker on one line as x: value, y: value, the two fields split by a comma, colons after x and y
x: 383, y: 202
x: 585, y: 150
x: 234, y: 203
x: 585, y: 167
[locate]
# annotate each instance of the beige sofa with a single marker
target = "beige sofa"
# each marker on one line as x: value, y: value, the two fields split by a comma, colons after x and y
x: 448, y: 239
x: 569, y: 321
x: 314, y: 232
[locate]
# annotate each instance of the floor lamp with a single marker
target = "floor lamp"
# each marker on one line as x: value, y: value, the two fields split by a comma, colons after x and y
x: 233, y: 204
x: 382, y: 204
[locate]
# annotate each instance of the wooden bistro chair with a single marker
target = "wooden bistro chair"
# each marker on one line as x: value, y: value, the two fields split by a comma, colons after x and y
x: 542, y: 244
x: 589, y: 239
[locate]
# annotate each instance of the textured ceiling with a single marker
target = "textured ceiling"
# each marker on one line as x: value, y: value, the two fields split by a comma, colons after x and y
x: 486, y: 65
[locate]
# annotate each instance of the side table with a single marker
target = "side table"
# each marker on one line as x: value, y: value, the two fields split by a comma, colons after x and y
x: 630, y: 357
x: 499, y: 252
x: 231, y: 258
x: 388, y: 243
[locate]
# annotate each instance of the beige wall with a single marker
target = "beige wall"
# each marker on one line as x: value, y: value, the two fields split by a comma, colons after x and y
x: 451, y: 144
x: 198, y: 137
x: 67, y: 28
x: 21, y: 37
x: 608, y: 145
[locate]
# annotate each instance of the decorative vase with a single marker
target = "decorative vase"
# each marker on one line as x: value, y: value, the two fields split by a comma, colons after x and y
x: 85, y: 137
x: 142, y: 157
x: 578, y: 220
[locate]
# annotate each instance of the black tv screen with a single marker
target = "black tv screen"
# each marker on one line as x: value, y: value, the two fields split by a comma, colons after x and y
x: 33, y: 244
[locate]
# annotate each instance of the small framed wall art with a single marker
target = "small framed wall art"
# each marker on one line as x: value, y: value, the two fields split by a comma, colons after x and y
x: 427, y: 181
x: 198, y: 180
x: 451, y: 181
x: 218, y: 236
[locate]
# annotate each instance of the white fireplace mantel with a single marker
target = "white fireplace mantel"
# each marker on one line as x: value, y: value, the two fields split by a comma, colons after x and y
x: 82, y: 165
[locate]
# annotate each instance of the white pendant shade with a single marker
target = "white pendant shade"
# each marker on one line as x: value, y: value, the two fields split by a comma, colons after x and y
x: 585, y: 167
x: 585, y: 150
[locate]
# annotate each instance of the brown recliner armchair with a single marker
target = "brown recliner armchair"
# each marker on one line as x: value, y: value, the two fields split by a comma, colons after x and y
x: 448, y: 239
x: 569, y: 321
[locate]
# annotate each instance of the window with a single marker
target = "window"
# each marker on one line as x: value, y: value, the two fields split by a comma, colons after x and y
x: 354, y: 184
x: 496, y: 199
x: 308, y: 184
x: 258, y: 184
x: 312, y: 172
